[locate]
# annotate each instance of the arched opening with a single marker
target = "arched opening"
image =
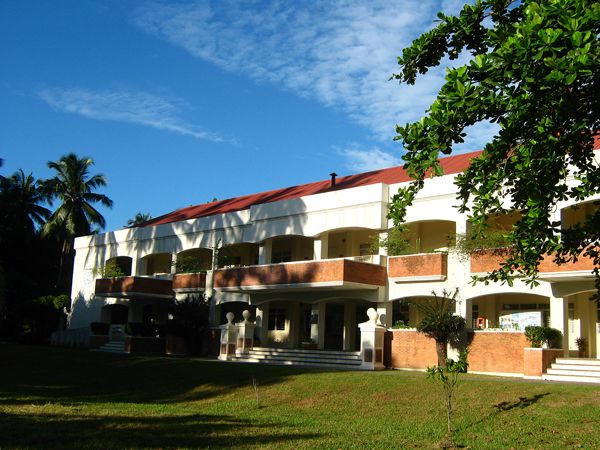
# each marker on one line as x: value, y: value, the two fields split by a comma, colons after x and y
x: 579, y: 213
x: 194, y: 260
x: 237, y: 255
x: 122, y: 264
x: 509, y: 311
x: 157, y: 264
x: 351, y: 242
x: 291, y: 248
x: 428, y: 236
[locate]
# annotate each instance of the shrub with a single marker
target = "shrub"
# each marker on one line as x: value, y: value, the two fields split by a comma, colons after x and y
x: 99, y: 328
x: 110, y: 270
x: 538, y: 336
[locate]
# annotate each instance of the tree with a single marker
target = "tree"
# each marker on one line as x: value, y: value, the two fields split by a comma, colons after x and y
x: 21, y: 199
x: 139, y: 219
x: 439, y: 322
x: 74, y: 187
x: 534, y: 70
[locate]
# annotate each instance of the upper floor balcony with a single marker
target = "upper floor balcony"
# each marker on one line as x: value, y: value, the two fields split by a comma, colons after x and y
x: 134, y: 287
x: 339, y: 273
x: 419, y: 267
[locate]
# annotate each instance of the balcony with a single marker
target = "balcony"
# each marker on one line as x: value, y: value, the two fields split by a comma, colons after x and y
x: 134, y: 287
x: 420, y: 267
x: 189, y: 282
x: 487, y: 260
x: 323, y: 274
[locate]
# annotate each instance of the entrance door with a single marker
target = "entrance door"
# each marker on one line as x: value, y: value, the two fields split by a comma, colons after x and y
x: 334, y: 327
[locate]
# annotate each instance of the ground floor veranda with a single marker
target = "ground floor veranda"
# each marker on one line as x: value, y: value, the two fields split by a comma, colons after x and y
x: 331, y: 322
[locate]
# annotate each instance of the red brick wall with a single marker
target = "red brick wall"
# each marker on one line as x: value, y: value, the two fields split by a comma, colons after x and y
x: 411, y: 350
x: 136, y: 344
x: 133, y: 284
x: 496, y: 351
x: 305, y: 272
x: 537, y: 360
x: 189, y: 281
x: 418, y: 265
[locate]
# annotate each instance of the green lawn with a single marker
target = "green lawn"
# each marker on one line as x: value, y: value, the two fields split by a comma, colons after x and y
x: 57, y: 398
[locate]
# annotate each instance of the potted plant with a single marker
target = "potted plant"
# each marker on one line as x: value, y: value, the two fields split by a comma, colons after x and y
x: 581, y: 347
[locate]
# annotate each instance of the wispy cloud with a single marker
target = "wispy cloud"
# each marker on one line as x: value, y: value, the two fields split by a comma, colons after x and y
x: 124, y: 105
x: 364, y: 160
x: 340, y: 53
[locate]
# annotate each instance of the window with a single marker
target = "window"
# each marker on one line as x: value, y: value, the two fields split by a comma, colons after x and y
x: 365, y: 249
x: 277, y: 319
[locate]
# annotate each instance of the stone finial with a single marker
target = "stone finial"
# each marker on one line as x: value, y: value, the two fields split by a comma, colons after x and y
x: 246, y: 315
x: 373, y: 315
x: 229, y: 316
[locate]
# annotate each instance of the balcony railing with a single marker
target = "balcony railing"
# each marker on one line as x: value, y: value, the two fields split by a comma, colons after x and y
x: 488, y: 260
x: 189, y: 282
x: 343, y: 273
x: 133, y: 287
x: 420, y: 267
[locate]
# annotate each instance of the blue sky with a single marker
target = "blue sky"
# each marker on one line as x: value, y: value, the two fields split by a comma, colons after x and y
x: 182, y: 102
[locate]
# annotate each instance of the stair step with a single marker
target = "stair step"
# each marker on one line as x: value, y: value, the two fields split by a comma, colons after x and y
x: 306, y: 351
x: 573, y: 371
x: 285, y: 362
x: 577, y: 361
x: 589, y: 368
x: 573, y: 378
x: 303, y: 355
x: 306, y: 359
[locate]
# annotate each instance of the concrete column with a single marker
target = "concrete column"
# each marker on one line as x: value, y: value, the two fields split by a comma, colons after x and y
x: 384, y: 310
x: 464, y: 308
x: 265, y: 251
x: 382, y: 236
x: 317, y: 324
x: 372, y: 342
x: 173, y: 262
x: 134, y: 265
x: 350, y: 327
x: 294, y: 324
x: 559, y: 319
x: 263, y: 313
x: 321, y: 245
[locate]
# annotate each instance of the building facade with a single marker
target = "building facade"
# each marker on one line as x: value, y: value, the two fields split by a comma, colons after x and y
x: 305, y: 262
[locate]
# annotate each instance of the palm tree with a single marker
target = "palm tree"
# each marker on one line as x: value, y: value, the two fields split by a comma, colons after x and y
x: 21, y: 197
x: 74, y: 187
x: 440, y: 322
x: 139, y: 219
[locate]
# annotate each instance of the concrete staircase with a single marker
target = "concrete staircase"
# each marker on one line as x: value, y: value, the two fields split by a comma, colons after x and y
x: 582, y: 370
x: 293, y: 357
x: 112, y: 347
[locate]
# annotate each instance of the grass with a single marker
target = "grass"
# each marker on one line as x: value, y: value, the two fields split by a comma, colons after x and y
x: 58, y: 398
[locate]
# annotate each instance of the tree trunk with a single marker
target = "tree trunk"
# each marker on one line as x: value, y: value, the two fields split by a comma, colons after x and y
x: 441, y: 348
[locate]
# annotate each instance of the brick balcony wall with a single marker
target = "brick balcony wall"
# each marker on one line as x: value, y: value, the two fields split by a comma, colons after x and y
x: 189, y: 281
x: 488, y: 260
x: 133, y: 284
x: 302, y: 272
x: 426, y: 264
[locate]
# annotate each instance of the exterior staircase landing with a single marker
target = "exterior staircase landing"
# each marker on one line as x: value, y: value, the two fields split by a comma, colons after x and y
x: 582, y: 370
x: 295, y: 357
x: 112, y: 347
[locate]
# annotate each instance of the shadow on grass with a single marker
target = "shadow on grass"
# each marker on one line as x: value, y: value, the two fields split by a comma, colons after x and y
x: 47, y: 374
x: 501, y: 407
x: 523, y: 402
x: 189, y: 431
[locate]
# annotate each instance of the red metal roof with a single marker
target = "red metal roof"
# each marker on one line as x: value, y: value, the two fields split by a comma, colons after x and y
x: 450, y: 164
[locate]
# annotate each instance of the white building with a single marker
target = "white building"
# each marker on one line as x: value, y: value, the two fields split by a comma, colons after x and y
x: 300, y: 259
